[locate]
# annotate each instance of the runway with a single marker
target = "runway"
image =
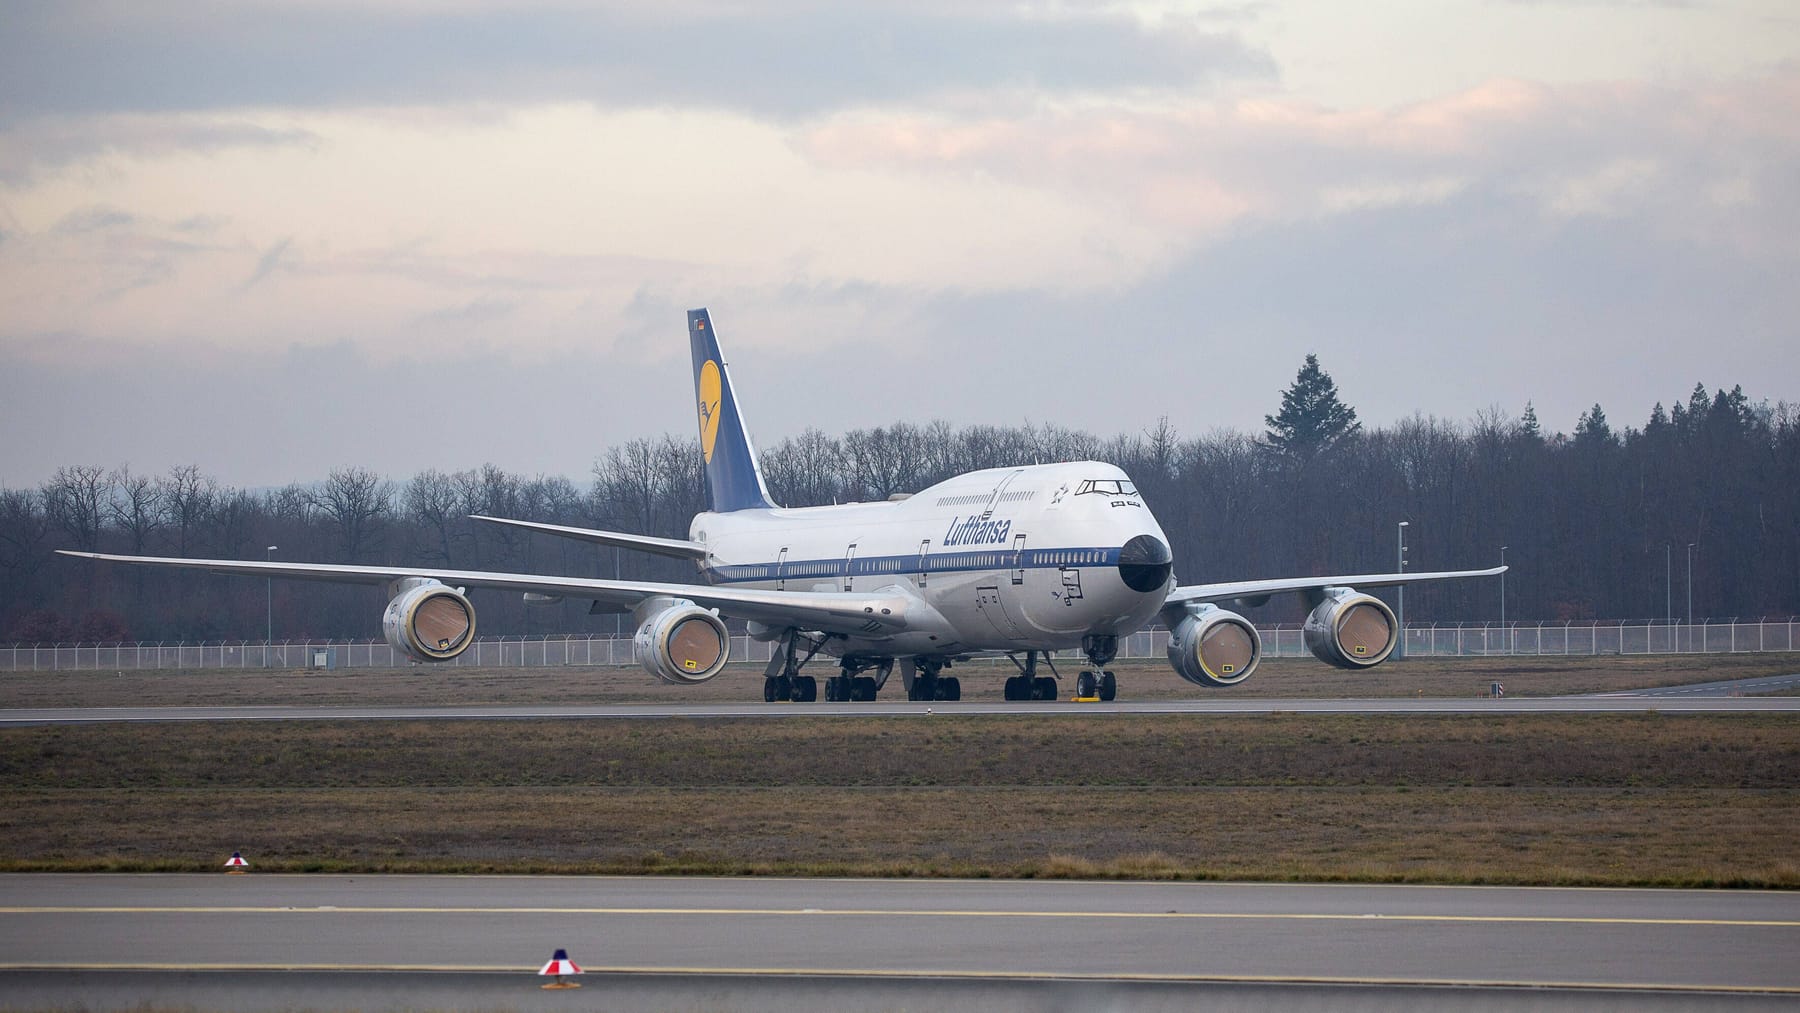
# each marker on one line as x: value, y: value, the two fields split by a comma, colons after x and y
x: 768, y: 933
x: 1618, y: 704
x: 1766, y: 684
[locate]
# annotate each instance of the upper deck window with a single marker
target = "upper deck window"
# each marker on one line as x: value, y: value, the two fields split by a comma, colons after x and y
x: 1107, y: 487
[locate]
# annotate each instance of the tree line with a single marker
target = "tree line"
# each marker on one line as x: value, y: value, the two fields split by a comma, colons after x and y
x: 1597, y: 524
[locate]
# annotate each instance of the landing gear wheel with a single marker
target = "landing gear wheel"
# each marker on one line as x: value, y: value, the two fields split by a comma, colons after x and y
x: 1109, y: 687
x: 1086, y: 685
x: 1043, y: 688
x: 950, y: 688
x: 806, y: 688
x: 1011, y: 692
x: 768, y: 691
x: 862, y: 689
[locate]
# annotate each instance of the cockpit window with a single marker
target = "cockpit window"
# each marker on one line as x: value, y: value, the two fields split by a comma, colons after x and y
x: 1107, y: 487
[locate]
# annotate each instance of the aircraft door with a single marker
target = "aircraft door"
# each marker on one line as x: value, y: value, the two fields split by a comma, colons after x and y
x: 849, y: 566
x: 1018, y: 559
x: 924, y: 560
x: 781, y: 569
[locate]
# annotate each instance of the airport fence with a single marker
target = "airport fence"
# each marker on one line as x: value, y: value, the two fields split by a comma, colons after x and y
x: 1437, y: 640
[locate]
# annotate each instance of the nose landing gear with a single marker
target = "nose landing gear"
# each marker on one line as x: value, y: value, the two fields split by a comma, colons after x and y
x: 1100, y: 650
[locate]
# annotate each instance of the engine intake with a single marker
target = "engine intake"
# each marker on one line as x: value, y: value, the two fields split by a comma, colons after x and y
x: 680, y: 642
x: 1351, y: 629
x: 1213, y: 647
x: 428, y: 621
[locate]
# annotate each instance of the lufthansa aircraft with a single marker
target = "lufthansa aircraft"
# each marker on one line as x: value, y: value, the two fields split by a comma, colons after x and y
x: 1022, y: 561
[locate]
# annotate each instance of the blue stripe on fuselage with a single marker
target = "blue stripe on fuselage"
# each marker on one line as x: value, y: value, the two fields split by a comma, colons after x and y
x: 936, y: 562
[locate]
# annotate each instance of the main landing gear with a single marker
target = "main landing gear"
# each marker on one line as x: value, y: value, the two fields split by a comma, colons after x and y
x: 929, y: 684
x: 1100, y: 650
x: 782, y: 679
x: 783, y: 682
x: 849, y: 687
x: 1028, y: 685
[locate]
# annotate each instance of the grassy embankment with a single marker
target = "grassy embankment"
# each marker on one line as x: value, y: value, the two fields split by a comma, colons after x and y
x: 1653, y: 799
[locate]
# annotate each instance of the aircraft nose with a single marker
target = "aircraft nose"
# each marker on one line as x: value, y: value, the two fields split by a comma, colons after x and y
x: 1145, y: 563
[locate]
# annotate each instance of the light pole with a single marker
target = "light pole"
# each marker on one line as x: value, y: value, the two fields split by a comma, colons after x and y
x: 1400, y: 555
x: 269, y: 597
x: 1669, y: 582
x: 1503, y: 600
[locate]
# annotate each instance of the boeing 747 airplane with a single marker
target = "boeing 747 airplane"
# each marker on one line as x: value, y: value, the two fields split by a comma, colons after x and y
x: 1017, y: 561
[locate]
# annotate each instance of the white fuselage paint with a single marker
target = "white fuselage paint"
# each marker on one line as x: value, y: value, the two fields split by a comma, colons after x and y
x: 1006, y: 559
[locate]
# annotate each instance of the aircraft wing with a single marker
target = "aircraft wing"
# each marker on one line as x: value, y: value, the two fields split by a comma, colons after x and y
x: 644, y: 543
x: 884, y: 610
x: 1258, y: 590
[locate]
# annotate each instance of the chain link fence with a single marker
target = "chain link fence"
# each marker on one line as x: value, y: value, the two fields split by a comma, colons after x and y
x: 1279, y: 641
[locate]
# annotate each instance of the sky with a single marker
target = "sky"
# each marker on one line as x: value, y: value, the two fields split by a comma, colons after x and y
x: 274, y: 238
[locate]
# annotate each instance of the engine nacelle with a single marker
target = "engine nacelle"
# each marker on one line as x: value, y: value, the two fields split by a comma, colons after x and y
x: 428, y: 621
x: 680, y: 642
x: 1350, y: 629
x: 1213, y: 647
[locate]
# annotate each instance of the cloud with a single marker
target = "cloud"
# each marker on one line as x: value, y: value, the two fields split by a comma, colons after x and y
x: 1200, y: 168
x: 46, y: 144
x: 768, y: 59
x: 268, y: 263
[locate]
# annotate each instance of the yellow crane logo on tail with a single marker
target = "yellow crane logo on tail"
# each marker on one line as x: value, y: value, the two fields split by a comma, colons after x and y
x: 710, y: 388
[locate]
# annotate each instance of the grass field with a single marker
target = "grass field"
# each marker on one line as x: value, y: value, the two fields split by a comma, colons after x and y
x: 1566, y: 799
x: 1139, y: 680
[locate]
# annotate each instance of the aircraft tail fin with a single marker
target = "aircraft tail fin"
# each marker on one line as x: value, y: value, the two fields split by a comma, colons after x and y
x: 732, y: 474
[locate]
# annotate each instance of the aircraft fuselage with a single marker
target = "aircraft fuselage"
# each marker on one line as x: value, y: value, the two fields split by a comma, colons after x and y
x: 1007, y: 559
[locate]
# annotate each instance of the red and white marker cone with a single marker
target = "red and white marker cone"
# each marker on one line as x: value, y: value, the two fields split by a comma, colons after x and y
x: 235, y: 865
x: 561, y: 967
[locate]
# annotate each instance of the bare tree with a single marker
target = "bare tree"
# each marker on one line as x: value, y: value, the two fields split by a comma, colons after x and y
x: 186, y: 497
x: 24, y: 528
x: 431, y: 504
x: 136, y: 506
x: 356, y: 500
x: 76, y: 499
x: 803, y: 470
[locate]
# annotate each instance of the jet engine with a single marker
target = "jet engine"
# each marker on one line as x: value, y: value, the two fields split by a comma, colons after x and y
x: 1213, y: 647
x: 428, y: 621
x: 680, y: 642
x: 1350, y: 629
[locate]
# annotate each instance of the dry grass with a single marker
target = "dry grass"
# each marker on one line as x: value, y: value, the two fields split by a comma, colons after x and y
x: 1139, y: 680
x: 1460, y: 835
x: 1526, y: 799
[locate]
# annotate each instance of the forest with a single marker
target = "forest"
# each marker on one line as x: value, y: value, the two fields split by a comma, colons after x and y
x: 1598, y: 524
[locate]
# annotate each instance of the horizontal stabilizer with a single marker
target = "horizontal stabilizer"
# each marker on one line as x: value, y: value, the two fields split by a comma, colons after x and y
x: 676, y: 547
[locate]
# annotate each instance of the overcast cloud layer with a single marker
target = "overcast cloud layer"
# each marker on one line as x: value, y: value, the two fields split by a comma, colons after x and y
x: 274, y: 238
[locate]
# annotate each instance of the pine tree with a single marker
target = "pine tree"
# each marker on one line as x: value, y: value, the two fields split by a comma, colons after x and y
x: 1312, y: 418
x: 1592, y: 427
x: 1528, y: 425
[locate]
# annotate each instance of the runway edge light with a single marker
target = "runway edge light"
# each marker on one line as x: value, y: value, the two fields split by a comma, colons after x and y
x: 561, y: 967
x: 235, y: 865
